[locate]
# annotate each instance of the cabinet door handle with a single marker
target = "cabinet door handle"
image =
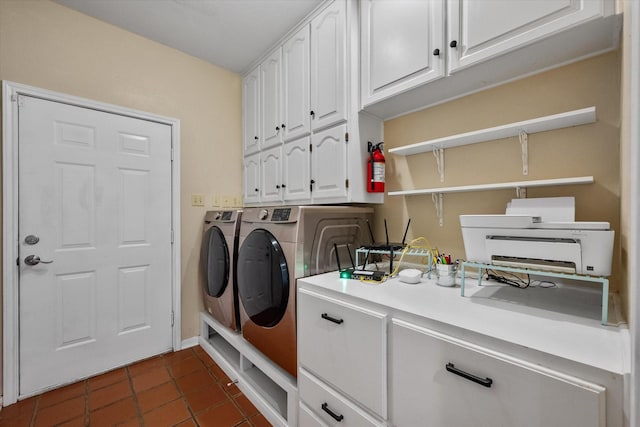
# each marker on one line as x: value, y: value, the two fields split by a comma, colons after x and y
x: 277, y: 187
x: 436, y: 52
x: 256, y: 190
x: 453, y: 43
x: 486, y: 382
x: 313, y: 114
x: 325, y: 408
x: 255, y: 137
x: 277, y: 129
x: 331, y: 319
x: 284, y: 186
x: 282, y: 126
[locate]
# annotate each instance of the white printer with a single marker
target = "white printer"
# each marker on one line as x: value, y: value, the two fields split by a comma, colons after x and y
x: 539, y: 234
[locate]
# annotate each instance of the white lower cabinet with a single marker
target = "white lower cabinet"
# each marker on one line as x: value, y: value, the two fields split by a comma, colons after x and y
x: 328, y: 407
x: 345, y: 346
x: 439, y: 380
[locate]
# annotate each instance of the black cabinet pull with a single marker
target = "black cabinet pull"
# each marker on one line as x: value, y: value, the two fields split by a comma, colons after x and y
x: 453, y: 43
x: 277, y: 186
x: 331, y: 319
x: 256, y: 190
x: 255, y: 137
x: 277, y: 128
x: 282, y: 126
x: 313, y: 114
x: 486, y: 382
x: 436, y: 52
x: 284, y: 186
x: 325, y: 408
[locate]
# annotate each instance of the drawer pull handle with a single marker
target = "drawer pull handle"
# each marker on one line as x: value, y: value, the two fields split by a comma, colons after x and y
x: 331, y: 319
x: 482, y: 381
x: 325, y: 408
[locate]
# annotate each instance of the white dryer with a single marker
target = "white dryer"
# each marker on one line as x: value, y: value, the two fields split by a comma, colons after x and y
x: 277, y: 246
x: 218, y: 256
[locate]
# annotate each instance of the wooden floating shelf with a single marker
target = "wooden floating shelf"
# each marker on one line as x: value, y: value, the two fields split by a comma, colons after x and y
x: 497, y: 186
x: 540, y: 124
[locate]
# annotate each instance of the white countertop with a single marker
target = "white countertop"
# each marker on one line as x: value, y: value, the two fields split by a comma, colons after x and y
x: 560, y: 321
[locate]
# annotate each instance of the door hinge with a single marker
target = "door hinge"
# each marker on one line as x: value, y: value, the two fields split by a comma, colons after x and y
x: 172, y: 235
x: 310, y: 148
x: 346, y: 136
x: 172, y: 317
x: 346, y: 183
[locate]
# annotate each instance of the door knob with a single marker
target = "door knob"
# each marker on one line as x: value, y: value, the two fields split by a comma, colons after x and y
x: 35, y: 260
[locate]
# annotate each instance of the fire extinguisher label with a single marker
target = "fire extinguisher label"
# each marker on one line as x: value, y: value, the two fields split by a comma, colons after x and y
x: 378, y: 172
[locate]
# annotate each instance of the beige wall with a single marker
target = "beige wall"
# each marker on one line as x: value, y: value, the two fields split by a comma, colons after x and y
x: 50, y: 46
x: 592, y: 149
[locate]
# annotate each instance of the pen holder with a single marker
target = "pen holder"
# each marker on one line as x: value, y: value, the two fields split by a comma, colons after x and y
x: 446, y: 274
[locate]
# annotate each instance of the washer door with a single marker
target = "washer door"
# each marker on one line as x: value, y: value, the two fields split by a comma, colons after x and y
x: 263, y: 278
x: 214, y: 262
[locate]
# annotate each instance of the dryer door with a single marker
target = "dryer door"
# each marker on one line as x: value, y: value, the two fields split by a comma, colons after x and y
x: 263, y: 278
x: 214, y: 262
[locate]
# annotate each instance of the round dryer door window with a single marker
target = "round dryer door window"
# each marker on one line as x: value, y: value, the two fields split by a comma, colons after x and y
x: 263, y: 278
x: 214, y: 262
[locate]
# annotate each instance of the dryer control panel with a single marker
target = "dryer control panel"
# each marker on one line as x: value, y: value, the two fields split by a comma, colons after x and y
x: 281, y: 214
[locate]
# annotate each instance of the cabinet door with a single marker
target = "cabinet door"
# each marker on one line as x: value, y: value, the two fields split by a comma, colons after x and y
x: 329, y: 163
x: 398, y: 42
x: 271, y: 175
x: 345, y: 345
x: 251, y: 112
x: 499, y: 390
x: 251, y: 176
x: 295, y: 168
x: 329, y: 67
x: 270, y: 100
x: 483, y: 30
x: 295, y: 81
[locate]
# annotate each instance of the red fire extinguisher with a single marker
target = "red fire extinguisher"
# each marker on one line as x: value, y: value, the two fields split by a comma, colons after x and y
x: 375, y: 168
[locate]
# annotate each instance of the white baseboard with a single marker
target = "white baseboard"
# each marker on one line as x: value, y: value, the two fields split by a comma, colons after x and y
x: 189, y: 342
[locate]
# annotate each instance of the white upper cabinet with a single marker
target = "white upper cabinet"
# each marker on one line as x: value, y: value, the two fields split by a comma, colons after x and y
x: 271, y: 175
x: 478, y: 31
x: 402, y: 46
x: 329, y: 163
x: 295, y: 169
x: 418, y: 53
x: 271, y: 99
x: 251, y: 176
x: 251, y: 110
x: 329, y: 67
x: 295, y: 83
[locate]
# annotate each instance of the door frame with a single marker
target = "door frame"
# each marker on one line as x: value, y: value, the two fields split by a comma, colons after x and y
x: 10, y: 309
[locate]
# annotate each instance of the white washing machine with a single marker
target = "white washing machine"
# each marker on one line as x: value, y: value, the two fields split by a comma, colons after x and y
x: 277, y: 246
x: 218, y: 256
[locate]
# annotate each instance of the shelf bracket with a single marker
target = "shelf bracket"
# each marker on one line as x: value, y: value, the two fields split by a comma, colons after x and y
x: 437, y: 203
x: 524, y: 147
x: 438, y: 153
x: 521, y: 192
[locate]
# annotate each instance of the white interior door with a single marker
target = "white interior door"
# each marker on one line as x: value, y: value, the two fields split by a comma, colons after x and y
x: 95, y: 190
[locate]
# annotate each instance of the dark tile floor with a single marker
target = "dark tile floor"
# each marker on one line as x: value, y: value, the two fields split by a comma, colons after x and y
x: 185, y: 388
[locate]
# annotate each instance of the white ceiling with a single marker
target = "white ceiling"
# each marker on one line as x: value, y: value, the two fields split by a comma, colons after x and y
x: 228, y: 33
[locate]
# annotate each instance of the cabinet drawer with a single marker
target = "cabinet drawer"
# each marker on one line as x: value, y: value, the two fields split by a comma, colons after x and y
x: 454, y: 382
x: 329, y: 406
x: 345, y: 345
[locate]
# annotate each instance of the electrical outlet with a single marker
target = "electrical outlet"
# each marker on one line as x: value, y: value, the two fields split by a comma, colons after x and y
x: 237, y: 201
x: 226, y: 201
x: 197, y: 200
x: 214, y: 201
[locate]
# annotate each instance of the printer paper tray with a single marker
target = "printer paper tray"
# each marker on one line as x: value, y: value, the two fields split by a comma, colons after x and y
x: 543, y: 254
